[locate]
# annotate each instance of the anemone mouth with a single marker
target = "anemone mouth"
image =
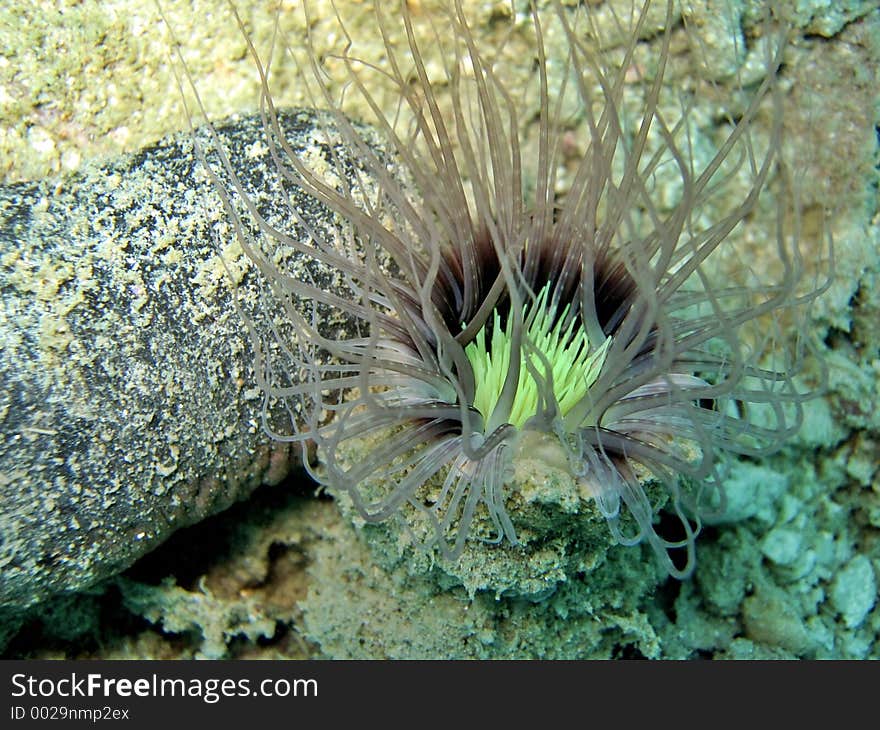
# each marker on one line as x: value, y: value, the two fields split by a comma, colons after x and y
x: 563, y: 363
x: 557, y: 360
x: 476, y: 313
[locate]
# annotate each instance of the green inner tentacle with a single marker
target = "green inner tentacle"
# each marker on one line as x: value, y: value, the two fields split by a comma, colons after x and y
x: 574, y: 365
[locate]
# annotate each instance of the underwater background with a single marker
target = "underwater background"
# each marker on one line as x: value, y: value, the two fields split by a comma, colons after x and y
x: 791, y: 571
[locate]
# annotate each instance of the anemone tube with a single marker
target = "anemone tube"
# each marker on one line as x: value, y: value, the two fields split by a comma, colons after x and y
x: 490, y: 300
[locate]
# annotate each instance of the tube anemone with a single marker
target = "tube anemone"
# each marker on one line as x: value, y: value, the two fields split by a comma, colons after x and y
x: 499, y: 288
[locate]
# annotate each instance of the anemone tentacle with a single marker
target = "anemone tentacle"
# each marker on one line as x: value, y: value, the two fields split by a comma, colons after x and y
x: 488, y: 302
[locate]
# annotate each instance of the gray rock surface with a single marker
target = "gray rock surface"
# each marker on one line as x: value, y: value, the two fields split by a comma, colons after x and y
x: 127, y: 399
